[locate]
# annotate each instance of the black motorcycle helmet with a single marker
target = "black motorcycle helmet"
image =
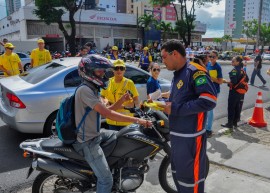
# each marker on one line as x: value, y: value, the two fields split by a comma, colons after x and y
x: 96, y: 70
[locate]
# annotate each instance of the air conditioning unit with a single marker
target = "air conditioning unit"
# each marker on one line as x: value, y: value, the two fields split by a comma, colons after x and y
x: 9, y: 18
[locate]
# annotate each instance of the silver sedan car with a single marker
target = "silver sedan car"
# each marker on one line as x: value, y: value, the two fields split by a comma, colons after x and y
x: 29, y: 103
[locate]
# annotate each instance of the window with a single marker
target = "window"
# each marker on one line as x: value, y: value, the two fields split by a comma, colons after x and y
x: 72, y: 79
x: 21, y: 55
x: 136, y: 76
x: 108, y: 6
x: 37, y: 74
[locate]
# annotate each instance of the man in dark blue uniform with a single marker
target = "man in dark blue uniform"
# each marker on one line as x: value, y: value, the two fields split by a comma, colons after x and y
x: 192, y: 95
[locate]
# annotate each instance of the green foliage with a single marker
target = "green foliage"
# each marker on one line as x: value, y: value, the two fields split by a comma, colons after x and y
x: 250, y: 29
x: 146, y: 21
x: 187, y: 15
x: 165, y: 27
x: 239, y: 50
x: 265, y: 34
x: 51, y: 11
x: 217, y: 40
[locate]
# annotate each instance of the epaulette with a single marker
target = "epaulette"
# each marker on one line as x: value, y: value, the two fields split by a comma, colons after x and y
x: 194, y: 67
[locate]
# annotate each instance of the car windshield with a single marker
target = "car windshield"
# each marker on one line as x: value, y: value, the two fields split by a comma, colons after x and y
x: 37, y: 74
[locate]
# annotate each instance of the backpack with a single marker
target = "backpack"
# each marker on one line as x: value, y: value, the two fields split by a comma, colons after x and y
x: 65, y: 120
x: 242, y: 86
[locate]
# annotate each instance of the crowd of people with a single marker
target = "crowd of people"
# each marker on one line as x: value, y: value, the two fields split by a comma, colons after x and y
x: 189, y: 103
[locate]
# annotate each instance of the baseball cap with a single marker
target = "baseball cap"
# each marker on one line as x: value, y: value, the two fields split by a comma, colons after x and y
x: 115, y: 48
x: 119, y: 63
x: 40, y: 41
x: 146, y: 48
x: 9, y: 45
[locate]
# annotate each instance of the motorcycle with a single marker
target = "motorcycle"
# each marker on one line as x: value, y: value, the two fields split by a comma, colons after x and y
x: 127, y: 152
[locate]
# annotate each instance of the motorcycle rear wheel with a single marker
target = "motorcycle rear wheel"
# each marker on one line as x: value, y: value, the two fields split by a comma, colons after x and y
x: 165, y: 174
x: 45, y: 182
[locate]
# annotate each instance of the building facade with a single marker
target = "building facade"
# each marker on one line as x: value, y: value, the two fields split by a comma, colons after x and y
x: 238, y: 11
x: 12, y: 6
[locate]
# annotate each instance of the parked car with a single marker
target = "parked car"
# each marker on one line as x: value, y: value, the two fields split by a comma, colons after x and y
x: 227, y: 55
x: 266, y: 56
x: 25, y: 59
x: 29, y: 103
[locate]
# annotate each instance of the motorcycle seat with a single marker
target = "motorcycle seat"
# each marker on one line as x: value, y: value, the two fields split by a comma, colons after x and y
x: 55, y: 145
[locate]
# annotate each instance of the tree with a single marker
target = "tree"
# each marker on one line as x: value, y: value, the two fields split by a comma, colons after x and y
x: 264, y: 35
x: 165, y: 28
x: 250, y: 29
x: 146, y: 22
x: 51, y: 11
x: 218, y: 41
x: 227, y: 38
x: 187, y: 15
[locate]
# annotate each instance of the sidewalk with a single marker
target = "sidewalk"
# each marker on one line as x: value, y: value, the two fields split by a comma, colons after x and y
x: 240, y: 162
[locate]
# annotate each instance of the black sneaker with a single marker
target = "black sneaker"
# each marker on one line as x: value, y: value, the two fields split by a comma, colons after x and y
x: 209, y: 134
x: 227, y: 125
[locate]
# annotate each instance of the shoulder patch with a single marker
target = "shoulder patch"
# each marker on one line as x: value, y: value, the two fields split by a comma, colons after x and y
x: 197, y: 74
x: 200, y: 81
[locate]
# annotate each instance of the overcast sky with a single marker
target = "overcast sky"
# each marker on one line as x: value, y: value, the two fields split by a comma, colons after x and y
x: 211, y: 14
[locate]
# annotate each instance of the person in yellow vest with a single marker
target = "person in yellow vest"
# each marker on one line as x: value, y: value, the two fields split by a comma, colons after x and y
x: 40, y: 55
x: 10, y: 62
x: 117, y: 87
x: 114, y: 55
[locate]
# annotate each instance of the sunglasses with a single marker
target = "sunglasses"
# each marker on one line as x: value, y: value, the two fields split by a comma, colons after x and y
x: 119, y: 68
x: 10, y: 48
x: 163, y: 57
x: 156, y: 69
x: 212, y: 56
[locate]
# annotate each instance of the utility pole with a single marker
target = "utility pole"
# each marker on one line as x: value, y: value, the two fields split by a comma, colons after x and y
x: 80, y: 25
x: 259, y: 24
x: 137, y: 16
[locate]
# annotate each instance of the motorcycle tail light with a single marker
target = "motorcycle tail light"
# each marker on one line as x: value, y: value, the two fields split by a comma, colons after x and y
x: 27, y: 154
x: 15, y: 101
x: 161, y: 123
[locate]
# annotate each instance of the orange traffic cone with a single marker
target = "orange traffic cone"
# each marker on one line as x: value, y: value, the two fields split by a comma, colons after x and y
x: 257, y: 119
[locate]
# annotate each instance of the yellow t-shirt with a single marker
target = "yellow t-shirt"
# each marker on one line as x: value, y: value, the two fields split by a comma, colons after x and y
x: 10, y: 63
x: 40, y: 57
x: 114, y: 92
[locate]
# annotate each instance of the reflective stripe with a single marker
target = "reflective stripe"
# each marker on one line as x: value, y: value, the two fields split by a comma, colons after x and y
x: 173, y: 171
x: 259, y: 97
x: 208, y: 95
x: 259, y: 105
x: 190, y: 185
x: 188, y: 135
x: 198, y: 152
x: 208, y: 98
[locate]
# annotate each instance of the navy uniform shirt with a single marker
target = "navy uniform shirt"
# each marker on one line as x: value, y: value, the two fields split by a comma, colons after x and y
x: 236, y: 75
x: 192, y: 95
x: 112, y: 57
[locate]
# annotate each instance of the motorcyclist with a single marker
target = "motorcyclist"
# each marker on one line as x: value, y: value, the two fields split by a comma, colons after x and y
x: 94, y: 71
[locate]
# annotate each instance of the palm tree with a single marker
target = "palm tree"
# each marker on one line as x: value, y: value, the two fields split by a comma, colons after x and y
x: 165, y: 28
x: 227, y: 38
x: 218, y: 41
x: 146, y: 22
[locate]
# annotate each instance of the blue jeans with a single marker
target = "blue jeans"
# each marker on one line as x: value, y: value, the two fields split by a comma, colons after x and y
x: 258, y: 73
x: 115, y: 128
x: 93, y: 154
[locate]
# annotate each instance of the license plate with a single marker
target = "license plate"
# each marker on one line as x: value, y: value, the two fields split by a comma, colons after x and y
x: 30, y: 170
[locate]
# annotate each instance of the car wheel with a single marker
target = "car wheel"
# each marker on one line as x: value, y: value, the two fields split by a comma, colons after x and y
x: 26, y: 67
x: 49, y: 127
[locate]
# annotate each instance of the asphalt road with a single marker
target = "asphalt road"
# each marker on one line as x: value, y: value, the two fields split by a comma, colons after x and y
x: 250, y: 97
x: 13, y: 167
